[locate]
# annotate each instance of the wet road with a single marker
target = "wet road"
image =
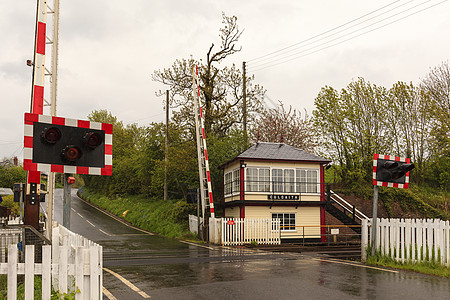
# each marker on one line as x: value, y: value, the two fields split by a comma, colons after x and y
x: 139, y: 265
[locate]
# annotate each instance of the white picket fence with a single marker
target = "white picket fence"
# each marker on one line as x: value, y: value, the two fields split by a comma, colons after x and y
x: 239, y: 231
x: 71, y: 263
x: 413, y: 240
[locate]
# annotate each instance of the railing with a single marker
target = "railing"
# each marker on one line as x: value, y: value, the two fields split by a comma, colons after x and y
x: 333, y: 233
x: 238, y: 231
x: 412, y: 240
x: 72, y: 263
x: 9, y: 236
x: 285, y: 187
x: 347, y: 207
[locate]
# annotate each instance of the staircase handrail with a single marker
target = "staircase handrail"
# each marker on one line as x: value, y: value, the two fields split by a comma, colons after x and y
x: 358, y: 214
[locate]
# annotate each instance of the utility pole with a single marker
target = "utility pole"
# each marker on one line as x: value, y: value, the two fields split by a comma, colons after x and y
x: 167, y: 146
x: 244, y: 102
x: 374, y: 218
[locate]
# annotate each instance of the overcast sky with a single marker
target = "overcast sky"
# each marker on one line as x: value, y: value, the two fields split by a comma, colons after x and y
x: 109, y: 49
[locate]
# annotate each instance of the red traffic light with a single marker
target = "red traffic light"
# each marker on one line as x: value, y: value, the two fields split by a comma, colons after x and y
x: 70, y: 180
x: 71, y: 153
x: 51, y: 135
x: 92, y: 139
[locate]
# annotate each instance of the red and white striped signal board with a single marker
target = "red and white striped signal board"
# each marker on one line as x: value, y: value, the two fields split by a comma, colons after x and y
x: 63, y: 145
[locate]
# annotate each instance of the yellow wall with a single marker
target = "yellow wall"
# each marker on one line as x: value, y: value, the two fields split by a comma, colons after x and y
x: 304, y: 216
x: 233, y: 212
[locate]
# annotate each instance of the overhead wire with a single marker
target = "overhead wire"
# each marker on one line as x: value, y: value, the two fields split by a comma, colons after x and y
x: 343, y: 36
x: 259, y: 64
x: 264, y: 57
x: 299, y: 54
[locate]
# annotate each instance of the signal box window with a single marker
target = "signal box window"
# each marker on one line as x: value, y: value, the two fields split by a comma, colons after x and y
x: 287, y: 221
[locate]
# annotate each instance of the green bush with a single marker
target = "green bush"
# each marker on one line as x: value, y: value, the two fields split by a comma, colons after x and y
x: 10, y: 175
x: 8, y: 201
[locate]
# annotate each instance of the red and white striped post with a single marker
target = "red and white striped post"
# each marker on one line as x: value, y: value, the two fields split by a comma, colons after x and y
x: 31, y: 212
x: 205, y: 152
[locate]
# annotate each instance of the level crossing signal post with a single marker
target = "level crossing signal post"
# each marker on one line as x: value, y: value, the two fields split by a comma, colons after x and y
x: 389, y: 171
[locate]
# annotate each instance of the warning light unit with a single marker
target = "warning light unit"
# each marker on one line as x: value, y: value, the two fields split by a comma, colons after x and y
x: 55, y: 144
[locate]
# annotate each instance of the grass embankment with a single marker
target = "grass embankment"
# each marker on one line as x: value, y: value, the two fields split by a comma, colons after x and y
x: 168, y: 218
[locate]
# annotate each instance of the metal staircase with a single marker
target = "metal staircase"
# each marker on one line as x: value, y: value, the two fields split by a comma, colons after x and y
x: 344, y: 211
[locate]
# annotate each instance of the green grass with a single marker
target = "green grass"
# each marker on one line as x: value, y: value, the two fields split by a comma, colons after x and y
x: 430, y: 267
x: 167, y: 218
x: 55, y: 295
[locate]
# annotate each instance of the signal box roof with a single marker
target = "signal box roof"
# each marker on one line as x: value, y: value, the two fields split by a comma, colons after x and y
x: 264, y: 151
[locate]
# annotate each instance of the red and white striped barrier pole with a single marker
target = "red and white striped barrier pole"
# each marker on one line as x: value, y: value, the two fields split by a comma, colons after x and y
x: 208, y: 174
x: 31, y: 213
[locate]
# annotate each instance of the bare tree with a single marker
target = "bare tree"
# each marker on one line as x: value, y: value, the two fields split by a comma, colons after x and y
x: 285, y: 125
x: 221, y: 87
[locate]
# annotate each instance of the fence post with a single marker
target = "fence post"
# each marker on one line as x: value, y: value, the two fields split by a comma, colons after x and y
x: 46, y: 271
x: 29, y: 272
x: 364, y: 240
x: 94, y: 272
x: 12, y: 272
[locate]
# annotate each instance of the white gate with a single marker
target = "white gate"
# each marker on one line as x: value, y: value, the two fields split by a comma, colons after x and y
x: 239, y: 231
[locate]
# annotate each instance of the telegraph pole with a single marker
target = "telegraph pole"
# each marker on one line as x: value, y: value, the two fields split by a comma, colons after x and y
x: 166, y: 146
x: 244, y: 102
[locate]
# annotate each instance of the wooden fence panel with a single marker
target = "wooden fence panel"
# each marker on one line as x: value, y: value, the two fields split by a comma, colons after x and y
x: 410, y: 240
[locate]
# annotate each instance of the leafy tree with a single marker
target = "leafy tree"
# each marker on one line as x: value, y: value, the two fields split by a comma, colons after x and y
x: 126, y: 157
x: 353, y: 127
x: 221, y: 88
x: 437, y: 85
x: 289, y: 124
x: 10, y: 175
x: 410, y: 119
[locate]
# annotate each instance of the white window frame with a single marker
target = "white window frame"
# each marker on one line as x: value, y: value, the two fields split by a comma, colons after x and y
x: 232, y: 184
x: 261, y: 183
x: 283, y: 219
x: 302, y: 182
x: 236, y: 182
x: 282, y: 180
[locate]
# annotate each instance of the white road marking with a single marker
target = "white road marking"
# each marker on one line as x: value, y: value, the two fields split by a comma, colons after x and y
x: 105, y: 232
x: 90, y: 223
x: 198, y: 245
x: 108, y: 294
x: 80, y: 215
x: 73, y: 209
x: 127, y: 283
x: 355, y: 265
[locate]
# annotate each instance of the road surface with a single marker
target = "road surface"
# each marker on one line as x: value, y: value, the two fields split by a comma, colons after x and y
x: 139, y: 265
